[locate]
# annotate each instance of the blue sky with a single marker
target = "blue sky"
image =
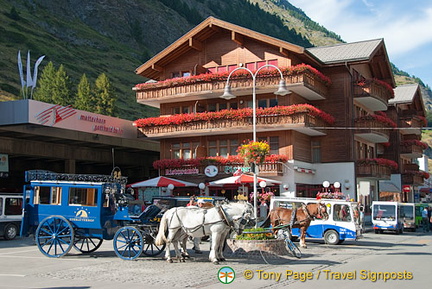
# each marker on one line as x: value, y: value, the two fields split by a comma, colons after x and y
x: 406, y: 27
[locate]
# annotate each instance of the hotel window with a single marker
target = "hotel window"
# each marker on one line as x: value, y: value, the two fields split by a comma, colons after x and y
x: 222, y: 148
x: 316, y: 151
x: 181, y: 109
x: 185, y: 150
x: 212, y: 148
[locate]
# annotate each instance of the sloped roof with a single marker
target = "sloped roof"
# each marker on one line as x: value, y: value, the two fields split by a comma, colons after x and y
x: 346, y: 52
x: 405, y: 93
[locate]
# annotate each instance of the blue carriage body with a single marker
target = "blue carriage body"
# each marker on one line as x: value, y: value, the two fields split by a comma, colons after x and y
x: 87, y: 201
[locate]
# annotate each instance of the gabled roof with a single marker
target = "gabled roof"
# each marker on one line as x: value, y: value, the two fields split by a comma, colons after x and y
x: 346, y: 52
x: 340, y: 54
x: 372, y: 52
x: 194, y: 38
x: 405, y: 93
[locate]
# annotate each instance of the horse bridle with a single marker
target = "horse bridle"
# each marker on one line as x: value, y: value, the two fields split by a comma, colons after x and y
x: 242, y: 221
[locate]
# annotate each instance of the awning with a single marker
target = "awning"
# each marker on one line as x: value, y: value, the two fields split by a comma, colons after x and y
x: 243, y: 179
x: 162, y: 182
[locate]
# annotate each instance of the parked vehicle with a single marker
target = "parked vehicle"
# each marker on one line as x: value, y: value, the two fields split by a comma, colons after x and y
x: 10, y: 215
x: 79, y: 211
x: 386, y: 216
x: 343, y: 222
x: 407, y: 212
x: 418, y: 213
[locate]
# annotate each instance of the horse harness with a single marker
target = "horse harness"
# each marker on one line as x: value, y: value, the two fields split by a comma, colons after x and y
x: 221, y: 213
x: 293, y: 220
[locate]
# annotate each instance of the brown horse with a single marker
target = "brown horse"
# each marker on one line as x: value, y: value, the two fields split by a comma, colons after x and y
x: 304, y: 215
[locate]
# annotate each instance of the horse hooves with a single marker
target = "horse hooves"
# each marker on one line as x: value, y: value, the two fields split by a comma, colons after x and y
x: 169, y: 260
x: 215, y: 262
x: 221, y: 259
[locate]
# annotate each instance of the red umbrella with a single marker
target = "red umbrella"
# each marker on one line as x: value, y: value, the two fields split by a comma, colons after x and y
x: 162, y: 182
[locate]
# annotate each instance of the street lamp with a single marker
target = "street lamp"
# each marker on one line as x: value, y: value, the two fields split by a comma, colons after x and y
x: 282, y: 90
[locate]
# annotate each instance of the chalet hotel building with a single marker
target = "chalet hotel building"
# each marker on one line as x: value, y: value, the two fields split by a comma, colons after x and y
x: 344, y: 126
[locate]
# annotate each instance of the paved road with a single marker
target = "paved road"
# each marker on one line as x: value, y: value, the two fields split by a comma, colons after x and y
x: 23, y: 266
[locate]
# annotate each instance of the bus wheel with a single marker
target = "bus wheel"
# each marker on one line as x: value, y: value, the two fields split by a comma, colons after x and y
x: 331, y: 237
x: 10, y: 231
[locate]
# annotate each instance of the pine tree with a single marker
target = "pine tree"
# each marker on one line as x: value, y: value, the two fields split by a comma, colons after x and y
x: 84, y: 98
x: 104, y: 96
x: 62, y: 92
x: 46, y: 83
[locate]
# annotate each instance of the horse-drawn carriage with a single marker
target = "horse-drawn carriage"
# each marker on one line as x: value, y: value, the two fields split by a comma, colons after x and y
x: 80, y: 211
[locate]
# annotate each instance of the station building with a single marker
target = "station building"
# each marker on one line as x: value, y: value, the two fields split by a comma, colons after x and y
x: 41, y: 136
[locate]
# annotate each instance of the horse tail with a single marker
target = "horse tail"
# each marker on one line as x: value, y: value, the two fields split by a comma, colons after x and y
x: 163, y: 228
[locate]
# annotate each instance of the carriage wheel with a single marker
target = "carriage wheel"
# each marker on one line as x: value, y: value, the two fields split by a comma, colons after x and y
x: 128, y: 243
x: 150, y: 249
x: 55, y: 236
x: 87, y: 244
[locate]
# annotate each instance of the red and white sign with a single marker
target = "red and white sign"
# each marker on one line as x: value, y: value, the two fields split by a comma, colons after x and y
x: 406, y: 189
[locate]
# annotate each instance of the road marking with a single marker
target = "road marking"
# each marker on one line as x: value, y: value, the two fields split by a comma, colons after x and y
x: 12, y: 275
x: 21, y: 251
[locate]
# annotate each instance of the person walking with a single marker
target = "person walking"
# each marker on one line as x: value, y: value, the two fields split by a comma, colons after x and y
x: 425, y: 219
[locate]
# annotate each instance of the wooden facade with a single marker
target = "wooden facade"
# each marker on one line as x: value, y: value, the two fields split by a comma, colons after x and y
x: 189, y: 76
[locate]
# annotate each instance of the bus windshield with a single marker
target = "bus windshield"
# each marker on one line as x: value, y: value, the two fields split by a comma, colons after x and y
x: 407, y: 212
x: 384, y: 212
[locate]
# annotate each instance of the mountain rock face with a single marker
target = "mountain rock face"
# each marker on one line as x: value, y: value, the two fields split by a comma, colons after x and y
x: 115, y: 37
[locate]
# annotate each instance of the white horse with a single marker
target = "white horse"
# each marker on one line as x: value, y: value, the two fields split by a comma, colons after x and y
x: 197, y: 222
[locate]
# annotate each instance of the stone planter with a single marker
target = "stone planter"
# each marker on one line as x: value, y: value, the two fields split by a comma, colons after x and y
x: 273, y: 248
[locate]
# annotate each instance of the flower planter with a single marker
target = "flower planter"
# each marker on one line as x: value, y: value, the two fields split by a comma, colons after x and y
x: 273, y: 248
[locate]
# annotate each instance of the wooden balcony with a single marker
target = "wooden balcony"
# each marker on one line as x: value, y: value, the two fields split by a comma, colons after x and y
x: 302, y: 122
x: 372, y: 130
x: 411, y: 151
x: 411, y: 179
x: 306, y: 84
x: 372, y: 95
x: 410, y: 167
x: 267, y: 169
x: 373, y: 171
x: 411, y: 126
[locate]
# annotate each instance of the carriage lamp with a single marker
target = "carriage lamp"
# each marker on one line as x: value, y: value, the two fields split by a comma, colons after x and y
x: 282, y: 90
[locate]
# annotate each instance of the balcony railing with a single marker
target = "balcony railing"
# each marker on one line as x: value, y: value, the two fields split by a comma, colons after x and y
x: 411, y: 179
x: 409, y: 167
x: 372, y: 95
x: 265, y: 169
x: 411, y: 151
x: 306, y: 83
x: 373, y: 171
x: 373, y: 130
x: 301, y: 121
x: 411, y: 126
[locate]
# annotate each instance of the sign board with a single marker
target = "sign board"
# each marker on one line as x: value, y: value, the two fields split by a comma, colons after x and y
x: 364, y: 188
x: 211, y: 171
x: 406, y: 188
x: 4, y: 163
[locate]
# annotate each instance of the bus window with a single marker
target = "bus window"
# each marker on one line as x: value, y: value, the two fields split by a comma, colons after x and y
x: 47, y: 195
x: 342, y: 213
x: 13, y: 206
x: 83, y: 196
